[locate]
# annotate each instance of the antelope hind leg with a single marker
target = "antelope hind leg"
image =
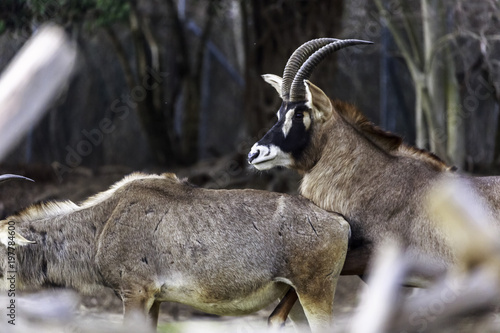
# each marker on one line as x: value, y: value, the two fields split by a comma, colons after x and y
x: 278, y: 316
x: 141, y: 312
x: 319, y: 313
x: 154, y: 312
x: 316, y: 299
x: 298, y: 318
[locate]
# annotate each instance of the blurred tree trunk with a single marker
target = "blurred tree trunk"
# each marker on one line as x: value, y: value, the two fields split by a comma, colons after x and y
x: 434, y: 101
x: 437, y: 107
x: 446, y: 130
x: 191, y: 77
x: 144, y: 85
x: 456, y: 145
x: 157, y: 118
x: 271, y: 32
x: 150, y: 110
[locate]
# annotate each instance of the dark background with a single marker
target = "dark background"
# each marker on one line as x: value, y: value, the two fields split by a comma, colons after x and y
x: 206, y: 99
x: 179, y: 82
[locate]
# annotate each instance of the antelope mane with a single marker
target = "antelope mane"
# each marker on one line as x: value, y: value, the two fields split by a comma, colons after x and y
x: 56, y: 208
x: 385, y: 140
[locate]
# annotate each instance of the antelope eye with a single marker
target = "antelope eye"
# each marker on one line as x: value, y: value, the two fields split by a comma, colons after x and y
x: 299, y: 115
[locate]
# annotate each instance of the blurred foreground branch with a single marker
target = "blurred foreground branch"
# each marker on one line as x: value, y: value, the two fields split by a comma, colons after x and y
x: 31, y: 82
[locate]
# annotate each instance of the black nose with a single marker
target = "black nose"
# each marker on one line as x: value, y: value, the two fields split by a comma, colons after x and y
x: 253, y: 156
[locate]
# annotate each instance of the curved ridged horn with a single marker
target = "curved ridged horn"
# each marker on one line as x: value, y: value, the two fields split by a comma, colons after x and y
x: 297, y: 90
x: 297, y: 59
x: 9, y: 176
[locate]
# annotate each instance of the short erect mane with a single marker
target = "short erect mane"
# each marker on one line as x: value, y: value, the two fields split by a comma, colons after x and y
x: 56, y: 208
x: 100, y: 197
x: 44, y: 210
x: 387, y: 141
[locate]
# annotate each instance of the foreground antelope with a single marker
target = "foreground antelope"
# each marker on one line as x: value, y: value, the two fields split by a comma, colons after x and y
x: 155, y: 238
x: 352, y: 167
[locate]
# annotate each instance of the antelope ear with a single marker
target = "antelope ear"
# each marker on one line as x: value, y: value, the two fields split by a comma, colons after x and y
x: 317, y: 101
x: 275, y: 81
x: 9, y: 235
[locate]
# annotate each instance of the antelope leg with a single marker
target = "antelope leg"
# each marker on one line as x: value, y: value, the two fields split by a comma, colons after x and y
x: 279, y: 315
x: 154, y: 312
x: 140, y: 311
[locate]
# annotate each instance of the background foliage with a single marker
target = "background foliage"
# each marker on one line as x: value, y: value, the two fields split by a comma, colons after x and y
x: 180, y: 80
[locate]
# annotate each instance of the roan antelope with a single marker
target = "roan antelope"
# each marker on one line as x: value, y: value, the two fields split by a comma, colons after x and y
x: 350, y: 166
x: 155, y: 238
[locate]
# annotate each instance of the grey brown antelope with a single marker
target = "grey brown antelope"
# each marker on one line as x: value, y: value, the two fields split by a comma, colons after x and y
x: 350, y: 166
x: 154, y: 238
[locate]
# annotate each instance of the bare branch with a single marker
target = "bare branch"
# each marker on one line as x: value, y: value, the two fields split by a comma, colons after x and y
x: 415, y: 44
x: 179, y: 33
x: 138, y: 41
x: 122, y: 57
x: 207, y: 29
x: 415, y: 70
x: 155, y: 60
